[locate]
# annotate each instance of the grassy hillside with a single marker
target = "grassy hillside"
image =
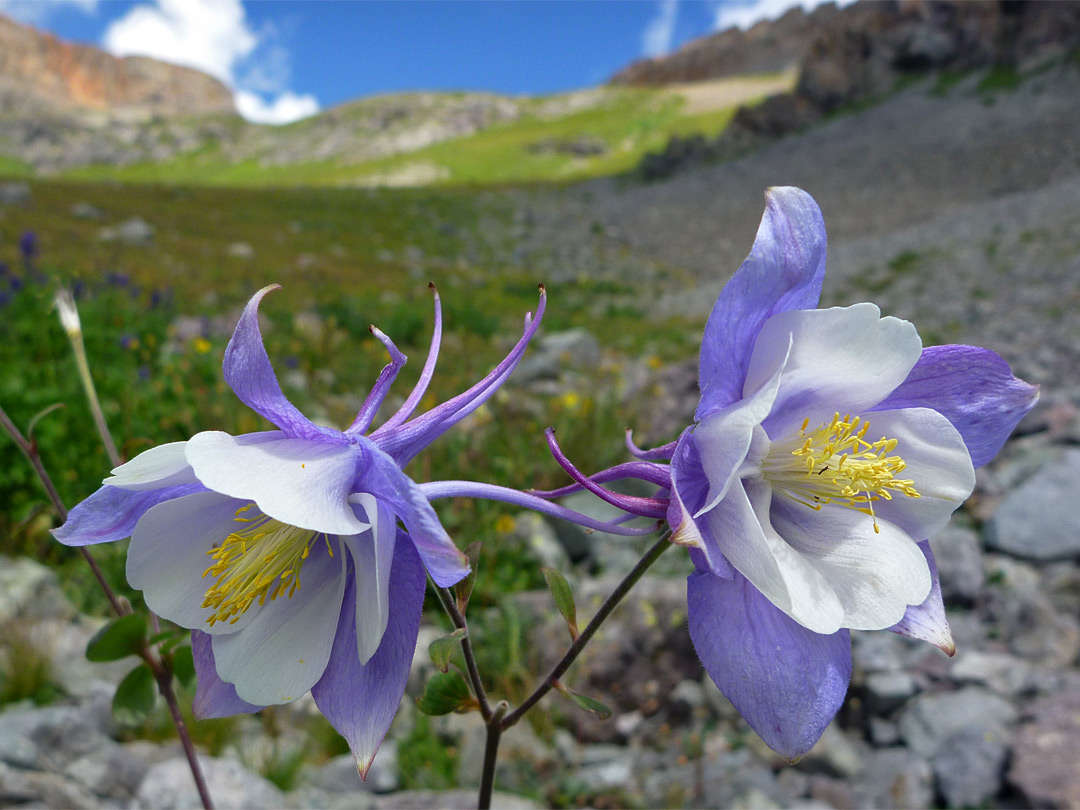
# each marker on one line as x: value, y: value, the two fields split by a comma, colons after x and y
x: 554, y: 139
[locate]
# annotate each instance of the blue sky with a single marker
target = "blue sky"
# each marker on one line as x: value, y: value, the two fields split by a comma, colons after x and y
x: 290, y: 58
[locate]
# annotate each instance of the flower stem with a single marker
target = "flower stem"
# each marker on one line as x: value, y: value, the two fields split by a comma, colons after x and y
x: 628, y: 582
x: 450, y: 606
x: 491, y: 751
x: 162, y: 670
x: 83, y: 364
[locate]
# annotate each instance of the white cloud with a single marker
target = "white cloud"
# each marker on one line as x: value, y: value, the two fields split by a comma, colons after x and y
x: 284, y: 109
x: 214, y: 36
x: 744, y: 13
x: 657, y: 37
x: 38, y: 12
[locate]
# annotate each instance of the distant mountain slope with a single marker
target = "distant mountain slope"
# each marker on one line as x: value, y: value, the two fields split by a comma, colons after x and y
x: 39, y: 67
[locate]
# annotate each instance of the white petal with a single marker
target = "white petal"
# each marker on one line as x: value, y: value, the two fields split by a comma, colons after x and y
x: 161, y: 466
x: 372, y: 553
x: 297, y: 481
x: 937, y: 461
x: 740, y: 526
x: 168, y: 555
x: 875, y: 575
x: 844, y: 359
x: 723, y: 439
x: 283, y: 651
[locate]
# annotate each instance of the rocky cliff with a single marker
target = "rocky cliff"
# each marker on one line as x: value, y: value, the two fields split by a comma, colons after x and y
x: 38, y: 66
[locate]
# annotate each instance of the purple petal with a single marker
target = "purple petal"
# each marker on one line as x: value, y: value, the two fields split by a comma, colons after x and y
x: 787, y: 681
x: 646, y: 507
x: 213, y: 696
x: 250, y: 375
x: 971, y: 387
x: 662, y: 453
x: 658, y: 474
x: 378, y: 393
x: 111, y: 513
x: 784, y: 271
x: 409, y: 405
x: 471, y: 489
x: 927, y: 621
x: 406, y: 441
x: 360, y: 700
x: 383, y: 478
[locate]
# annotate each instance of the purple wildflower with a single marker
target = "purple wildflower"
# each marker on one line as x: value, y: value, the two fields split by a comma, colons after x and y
x: 280, y: 549
x: 28, y: 245
x: 827, y: 447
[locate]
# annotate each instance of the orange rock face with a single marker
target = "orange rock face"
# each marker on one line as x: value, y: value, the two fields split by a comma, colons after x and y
x: 68, y: 75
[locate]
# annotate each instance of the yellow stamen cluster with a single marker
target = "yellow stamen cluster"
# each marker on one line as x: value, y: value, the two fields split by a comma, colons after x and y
x: 249, y: 561
x: 834, y: 463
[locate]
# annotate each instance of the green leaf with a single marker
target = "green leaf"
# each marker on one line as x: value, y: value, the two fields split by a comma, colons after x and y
x: 564, y: 598
x: 135, y: 696
x: 588, y: 704
x: 183, y: 663
x: 442, y: 648
x: 446, y: 692
x: 118, y: 639
x: 463, y: 590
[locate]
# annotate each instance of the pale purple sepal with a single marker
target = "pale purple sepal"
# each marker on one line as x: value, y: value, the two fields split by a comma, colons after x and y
x: 787, y: 681
x: 111, y: 513
x: 491, y: 492
x: 377, y: 395
x: 251, y: 377
x: 971, y: 387
x: 360, y: 700
x: 383, y: 478
x: 404, y: 442
x: 927, y: 621
x: 784, y: 271
x: 213, y: 696
x: 409, y: 405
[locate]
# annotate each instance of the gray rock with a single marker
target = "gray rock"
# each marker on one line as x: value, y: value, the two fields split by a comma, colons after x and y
x: 535, y: 536
x: 958, y: 555
x: 931, y: 719
x: 35, y: 788
x: 557, y: 352
x: 1003, y: 673
x: 313, y: 798
x: 886, y: 691
x: 969, y: 767
x: 451, y: 800
x: 14, y: 193
x: 169, y: 786
x: 339, y: 775
x: 29, y: 590
x: 835, y: 754
x: 1035, y: 521
x: 134, y: 231
x: 61, y: 733
x: 1044, y: 753
x: 17, y: 750
x: 895, y: 778
x: 883, y: 733
x: 84, y: 210
x: 113, y: 772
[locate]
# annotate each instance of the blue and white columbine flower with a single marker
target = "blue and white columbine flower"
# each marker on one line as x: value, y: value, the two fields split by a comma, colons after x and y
x: 281, y: 550
x: 827, y: 447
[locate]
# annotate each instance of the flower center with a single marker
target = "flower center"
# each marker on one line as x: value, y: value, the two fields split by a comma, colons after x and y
x: 250, y: 560
x: 835, y: 464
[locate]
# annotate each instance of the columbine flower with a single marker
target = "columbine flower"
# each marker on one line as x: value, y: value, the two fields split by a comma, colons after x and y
x: 828, y: 446
x: 281, y: 551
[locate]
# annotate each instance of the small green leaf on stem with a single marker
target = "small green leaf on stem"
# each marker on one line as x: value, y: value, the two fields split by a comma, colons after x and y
x: 584, y: 701
x: 564, y: 599
x: 446, y: 692
x: 117, y: 639
x: 183, y: 664
x: 463, y: 590
x: 443, y: 647
x: 135, y: 696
